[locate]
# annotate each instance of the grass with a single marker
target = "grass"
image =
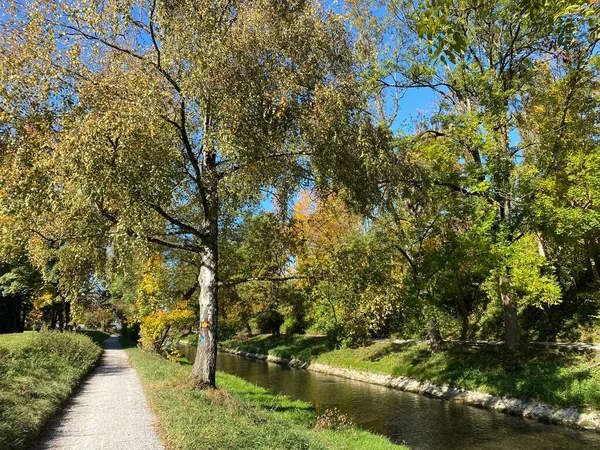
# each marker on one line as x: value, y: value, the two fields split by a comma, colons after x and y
x: 95, y: 335
x: 560, y: 377
x: 38, y: 371
x: 238, y: 415
x: 306, y: 348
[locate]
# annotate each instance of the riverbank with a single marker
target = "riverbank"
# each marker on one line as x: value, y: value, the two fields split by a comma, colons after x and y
x: 552, y: 384
x: 38, y: 372
x: 238, y: 414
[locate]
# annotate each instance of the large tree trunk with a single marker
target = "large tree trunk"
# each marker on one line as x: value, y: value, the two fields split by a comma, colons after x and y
x: 511, y: 326
x: 435, y: 337
x: 246, y: 321
x: 68, y: 315
x: 23, y: 317
x: 206, y: 354
x: 462, y: 307
x: 16, y: 314
x: 205, y: 365
x: 53, y: 318
x: 592, y: 261
x: 540, y: 244
x: 464, y: 328
x: 61, y: 317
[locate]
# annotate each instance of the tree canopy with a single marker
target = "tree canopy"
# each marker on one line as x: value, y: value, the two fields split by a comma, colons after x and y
x: 251, y: 155
x: 139, y: 123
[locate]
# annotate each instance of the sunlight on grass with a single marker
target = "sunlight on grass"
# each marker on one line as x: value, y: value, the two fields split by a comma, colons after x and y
x: 239, y: 415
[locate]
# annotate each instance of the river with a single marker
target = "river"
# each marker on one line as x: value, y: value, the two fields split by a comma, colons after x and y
x: 420, y: 422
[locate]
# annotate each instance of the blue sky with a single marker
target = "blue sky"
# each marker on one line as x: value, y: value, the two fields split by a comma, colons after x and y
x: 415, y: 101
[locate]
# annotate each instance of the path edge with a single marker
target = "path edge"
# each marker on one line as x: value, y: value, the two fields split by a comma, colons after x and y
x: 35, y: 442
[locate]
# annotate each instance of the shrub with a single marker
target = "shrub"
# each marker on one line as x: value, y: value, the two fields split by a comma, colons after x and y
x: 160, y: 327
x: 131, y: 331
x: 333, y: 419
x: 37, y: 374
x: 269, y: 321
x: 76, y: 348
x: 335, y: 335
x: 294, y: 325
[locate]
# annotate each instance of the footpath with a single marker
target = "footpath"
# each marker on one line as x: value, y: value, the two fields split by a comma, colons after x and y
x: 109, y: 411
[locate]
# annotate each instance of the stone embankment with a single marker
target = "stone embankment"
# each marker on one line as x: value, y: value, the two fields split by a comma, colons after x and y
x: 531, y: 410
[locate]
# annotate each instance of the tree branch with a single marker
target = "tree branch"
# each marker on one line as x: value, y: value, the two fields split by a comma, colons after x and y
x: 183, y: 226
x: 154, y: 240
x: 235, y: 168
x: 112, y: 45
x: 462, y: 190
x: 153, y: 35
x: 237, y: 281
x: 434, y: 132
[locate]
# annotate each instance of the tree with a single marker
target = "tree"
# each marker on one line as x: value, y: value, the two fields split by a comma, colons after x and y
x: 345, y: 268
x: 469, y: 148
x: 161, y: 310
x: 442, y: 22
x: 256, y: 259
x: 149, y: 122
x: 19, y: 283
x: 561, y: 167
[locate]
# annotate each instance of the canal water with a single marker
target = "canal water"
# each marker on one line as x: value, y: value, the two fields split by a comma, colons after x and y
x: 420, y: 422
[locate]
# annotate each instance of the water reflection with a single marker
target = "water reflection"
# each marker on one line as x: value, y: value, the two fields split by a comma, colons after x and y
x: 420, y: 422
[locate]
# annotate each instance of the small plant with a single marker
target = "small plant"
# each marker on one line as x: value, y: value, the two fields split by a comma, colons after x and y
x: 173, y: 354
x: 333, y: 419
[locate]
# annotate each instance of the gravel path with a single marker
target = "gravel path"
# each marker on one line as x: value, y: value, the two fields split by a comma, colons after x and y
x: 109, y: 411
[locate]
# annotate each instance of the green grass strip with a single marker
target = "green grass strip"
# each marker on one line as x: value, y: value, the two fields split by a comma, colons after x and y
x: 38, y: 372
x: 95, y: 335
x: 238, y: 415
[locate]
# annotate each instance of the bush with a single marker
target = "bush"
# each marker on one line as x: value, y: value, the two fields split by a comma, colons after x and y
x: 37, y: 374
x: 269, y: 321
x: 131, y: 331
x: 158, y: 328
x: 77, y: 349
x: 294, y: 325
x: 335, y: 334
